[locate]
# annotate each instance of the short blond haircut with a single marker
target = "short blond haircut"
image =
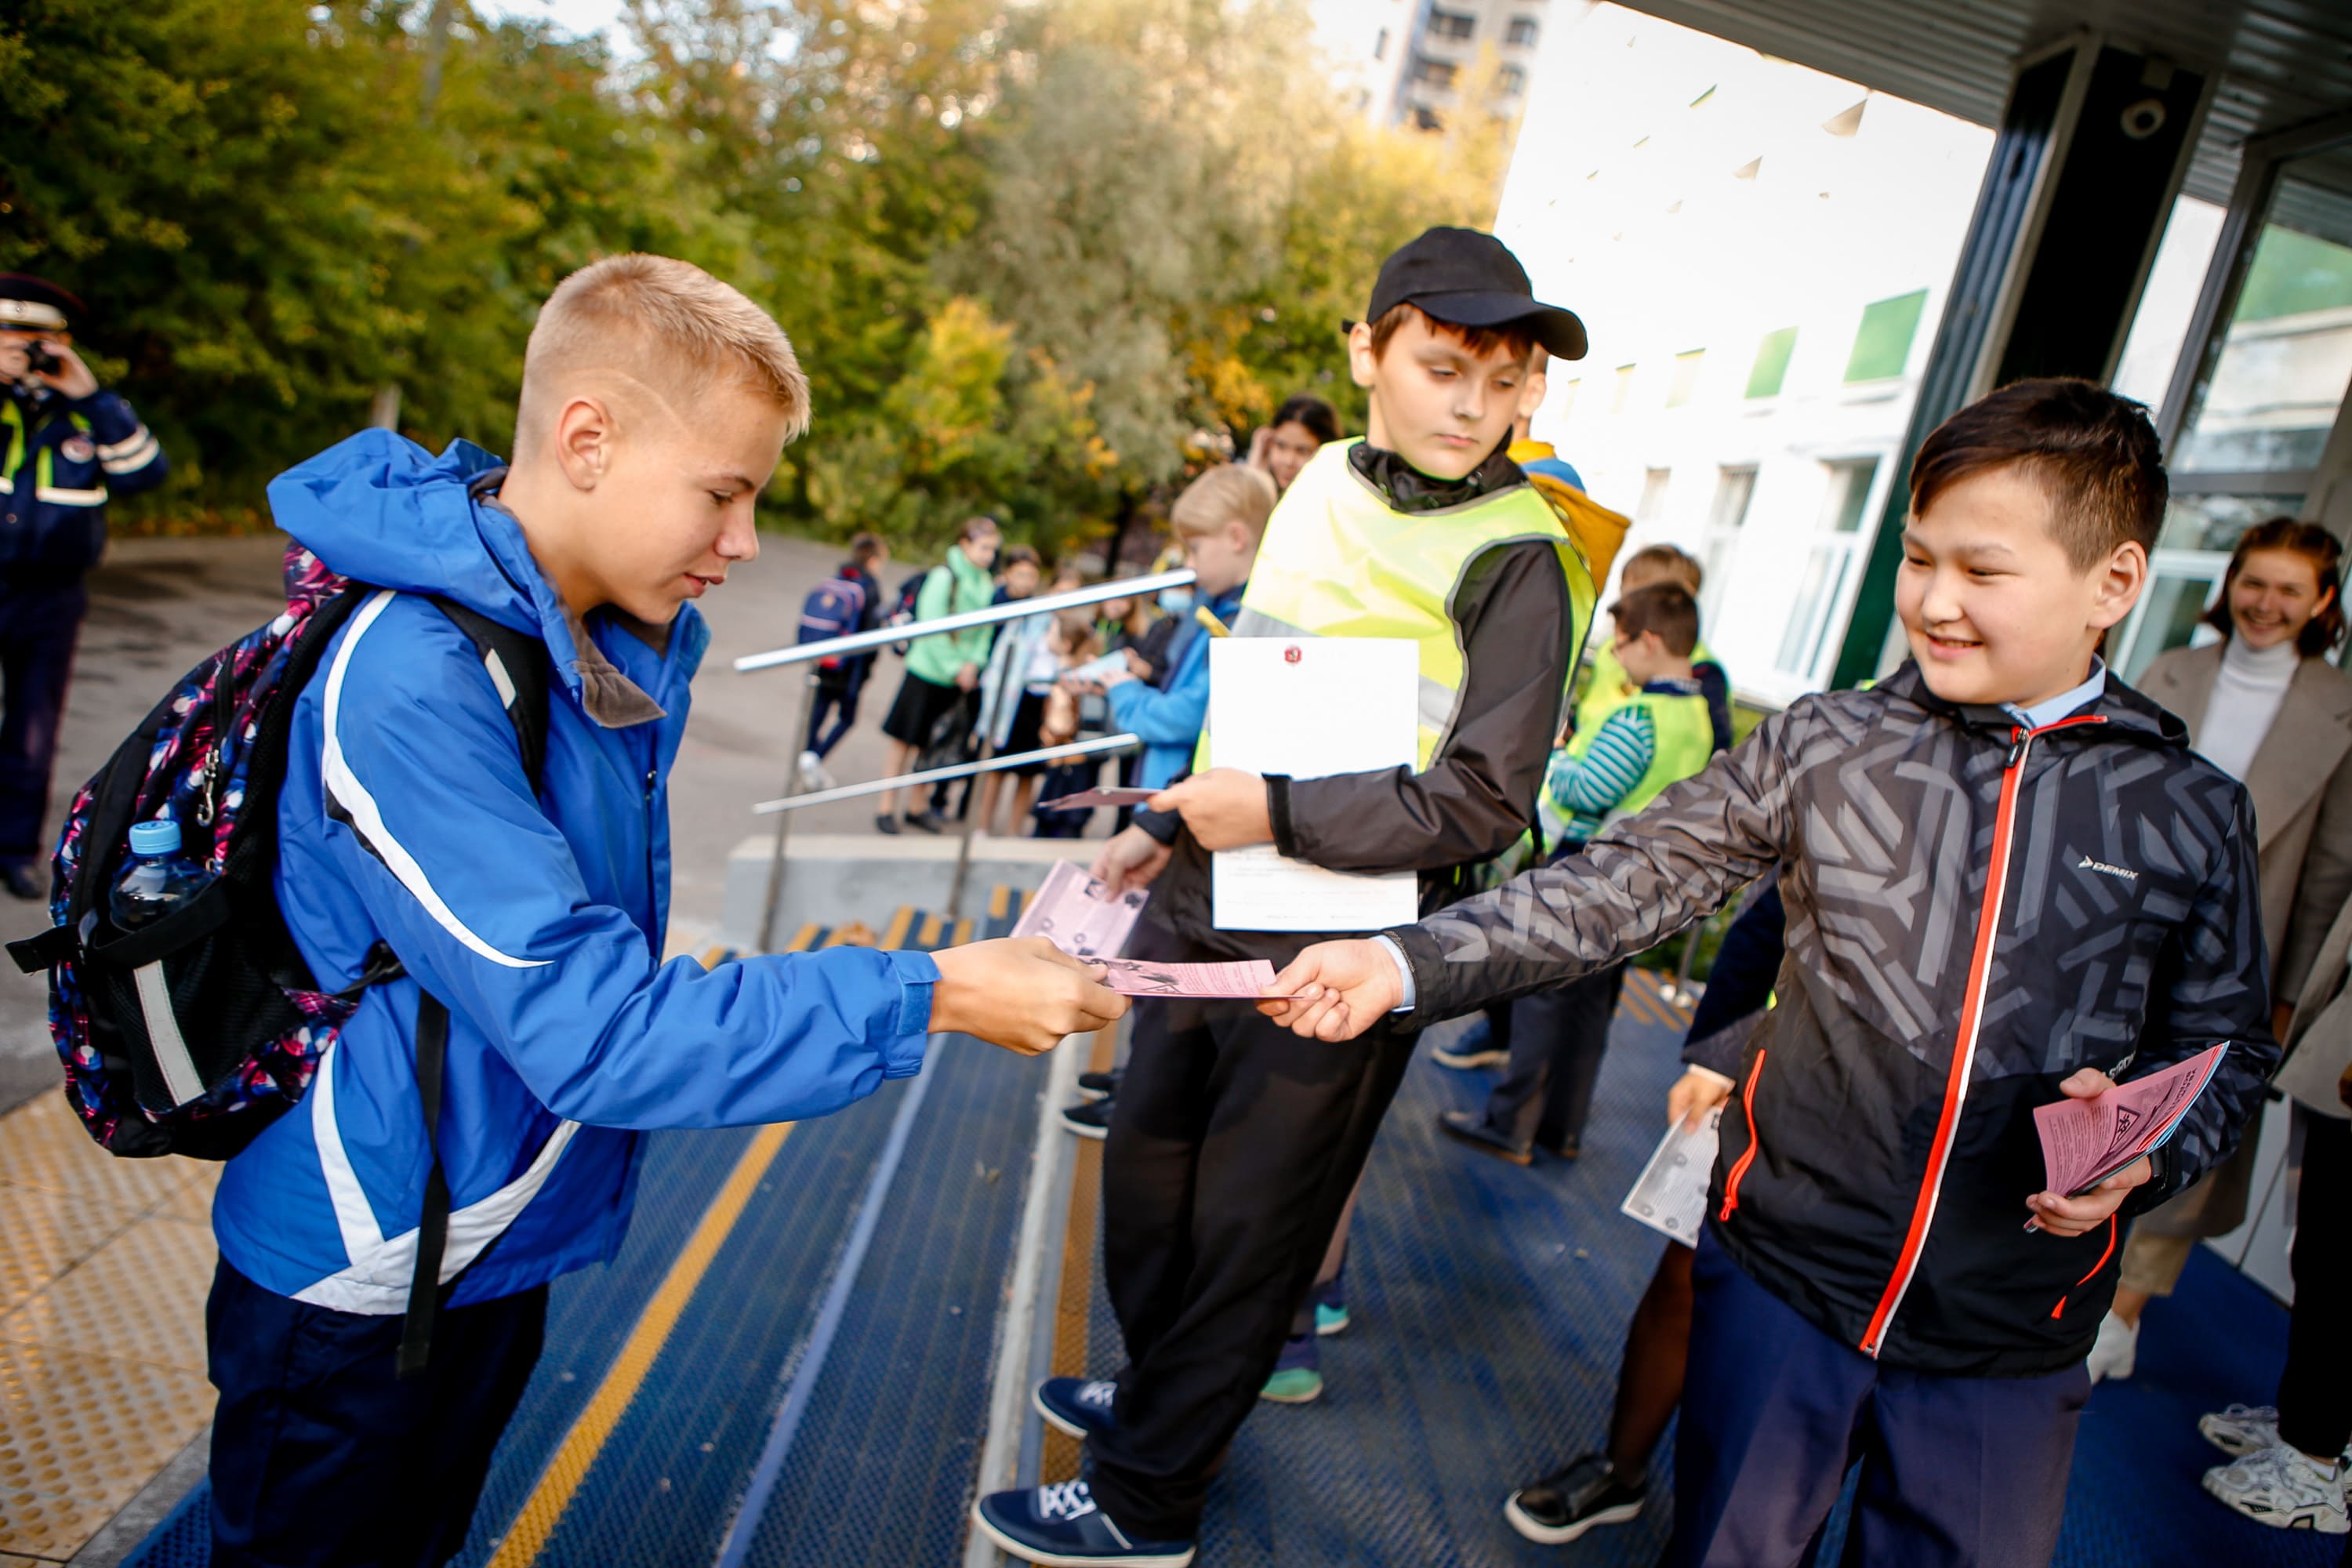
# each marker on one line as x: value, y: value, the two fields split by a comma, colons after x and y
x: 1230, y: 492
x: 662, y: 323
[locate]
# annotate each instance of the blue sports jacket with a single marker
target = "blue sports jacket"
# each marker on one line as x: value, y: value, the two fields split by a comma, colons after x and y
x: 536, y: 917
x: 1169, y: 719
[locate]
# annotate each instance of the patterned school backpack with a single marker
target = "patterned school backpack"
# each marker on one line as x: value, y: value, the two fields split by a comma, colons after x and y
x: 832, y: 609
x: 191, y: 1035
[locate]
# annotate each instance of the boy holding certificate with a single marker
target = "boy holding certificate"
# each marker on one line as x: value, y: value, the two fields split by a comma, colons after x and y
x: 1231, y: 1151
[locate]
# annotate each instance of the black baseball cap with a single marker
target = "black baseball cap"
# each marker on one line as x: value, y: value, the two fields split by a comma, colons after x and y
x: 35, y: 304
x: 1471, y: 279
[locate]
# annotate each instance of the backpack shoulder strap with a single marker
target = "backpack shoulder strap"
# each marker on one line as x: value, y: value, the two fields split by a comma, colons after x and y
x: 517, y: 663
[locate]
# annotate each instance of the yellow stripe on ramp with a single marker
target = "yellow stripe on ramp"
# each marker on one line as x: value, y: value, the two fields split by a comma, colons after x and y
x: 896, y: 936
x: 543, y: 1509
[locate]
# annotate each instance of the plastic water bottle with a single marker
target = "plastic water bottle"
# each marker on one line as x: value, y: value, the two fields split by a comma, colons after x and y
x: 159, y: 880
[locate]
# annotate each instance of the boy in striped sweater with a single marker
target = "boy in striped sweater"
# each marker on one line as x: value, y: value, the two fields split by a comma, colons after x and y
x: 1659, y: 734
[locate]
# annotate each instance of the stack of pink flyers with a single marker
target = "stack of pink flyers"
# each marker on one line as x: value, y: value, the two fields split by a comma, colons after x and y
x: 1244, y: 977
x: 2084, y: 1142
x: 1080, y: 915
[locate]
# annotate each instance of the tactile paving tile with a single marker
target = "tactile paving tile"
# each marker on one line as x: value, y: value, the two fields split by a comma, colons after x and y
x: 43, y: 1233
x: 195, y: 1201
x: 10, y: 1559
x: 42, y: 1145
x: 140, y: 1296
x: 80, y: 1435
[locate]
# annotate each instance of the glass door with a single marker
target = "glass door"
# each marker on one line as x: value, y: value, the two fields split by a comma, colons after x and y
x: 2255, y: 423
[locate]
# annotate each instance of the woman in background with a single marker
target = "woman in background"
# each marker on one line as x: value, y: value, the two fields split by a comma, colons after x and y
x: 2265, y: 706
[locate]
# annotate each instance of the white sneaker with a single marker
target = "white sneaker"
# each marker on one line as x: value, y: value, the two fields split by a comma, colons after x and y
x: 2114, y: 1351
x: 2284, y: 1488
x: 2242, y: 1429
x: 813, y: 775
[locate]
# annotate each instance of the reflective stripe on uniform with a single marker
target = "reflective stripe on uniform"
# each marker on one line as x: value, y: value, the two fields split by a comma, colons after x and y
x: 129, y: 456
x: 43, y: 490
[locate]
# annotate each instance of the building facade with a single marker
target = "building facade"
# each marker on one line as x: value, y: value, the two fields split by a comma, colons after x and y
x: 1759, y: 254
x: 1422, y: 62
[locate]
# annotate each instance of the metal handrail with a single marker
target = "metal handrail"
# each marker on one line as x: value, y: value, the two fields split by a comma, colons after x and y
x: 805, y: 654
x: 1101, y: 745
x: 964, y: 621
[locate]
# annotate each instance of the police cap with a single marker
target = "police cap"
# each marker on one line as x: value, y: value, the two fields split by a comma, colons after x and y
x: 35, y: 304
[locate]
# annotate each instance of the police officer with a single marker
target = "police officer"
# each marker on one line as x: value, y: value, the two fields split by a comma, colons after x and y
x: 68, y: 444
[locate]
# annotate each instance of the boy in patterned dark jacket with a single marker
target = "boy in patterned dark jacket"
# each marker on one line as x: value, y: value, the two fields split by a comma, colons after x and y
x: 2007, y: 879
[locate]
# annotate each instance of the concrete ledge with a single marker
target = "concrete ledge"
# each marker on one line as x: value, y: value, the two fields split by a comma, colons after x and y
x: 832, y: 879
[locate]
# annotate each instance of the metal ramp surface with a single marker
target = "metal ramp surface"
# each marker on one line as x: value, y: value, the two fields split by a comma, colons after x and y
x: 820, y: 1389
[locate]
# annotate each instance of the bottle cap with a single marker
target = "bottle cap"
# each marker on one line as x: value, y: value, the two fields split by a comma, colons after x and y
x: 155, y: 837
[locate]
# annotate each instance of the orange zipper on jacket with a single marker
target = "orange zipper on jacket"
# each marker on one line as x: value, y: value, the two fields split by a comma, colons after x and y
x: 2060, y: 1310
x: 1964, y: 1047
x: 1747, y: 1155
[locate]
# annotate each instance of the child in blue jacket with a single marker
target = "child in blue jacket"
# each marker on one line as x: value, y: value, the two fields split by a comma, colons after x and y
x: 1219, y: 518
x: 654, y: 403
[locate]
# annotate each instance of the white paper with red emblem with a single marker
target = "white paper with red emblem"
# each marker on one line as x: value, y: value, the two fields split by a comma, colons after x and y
x: 1311, y: 708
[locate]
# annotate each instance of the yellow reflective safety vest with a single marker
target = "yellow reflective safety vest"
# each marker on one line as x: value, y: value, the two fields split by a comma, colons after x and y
x: 1610, y: 685
x: 1684, y: 739
x: 1339, y: 562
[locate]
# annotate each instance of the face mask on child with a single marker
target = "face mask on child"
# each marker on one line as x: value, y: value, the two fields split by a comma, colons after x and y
x: 1176, y: 601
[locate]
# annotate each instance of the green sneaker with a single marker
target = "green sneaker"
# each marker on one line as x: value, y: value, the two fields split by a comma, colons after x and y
x: 1296, y: 1385
x: 1329, y: 1318
x: 1297, y: 1375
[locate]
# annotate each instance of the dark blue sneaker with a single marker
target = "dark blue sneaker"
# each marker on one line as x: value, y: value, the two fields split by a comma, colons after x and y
x: 1060, y: 1527
x: 1078, y: 1406
x: 1473, y: 1047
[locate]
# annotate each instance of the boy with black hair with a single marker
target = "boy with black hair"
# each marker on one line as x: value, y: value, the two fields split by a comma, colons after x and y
x: 1231, y: 1151
x: 2007, y: 878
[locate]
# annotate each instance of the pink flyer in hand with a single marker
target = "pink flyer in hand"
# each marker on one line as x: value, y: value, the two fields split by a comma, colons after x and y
x: 1087, y: 799
x: 1130, y: 977
x: 1079, y: 914
x: 2084, y: 1142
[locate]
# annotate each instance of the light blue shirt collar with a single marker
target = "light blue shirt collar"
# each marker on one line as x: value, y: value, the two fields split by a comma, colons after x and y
x: 2066, y: 702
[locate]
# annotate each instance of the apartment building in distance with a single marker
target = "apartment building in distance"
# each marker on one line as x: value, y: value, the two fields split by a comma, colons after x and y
x: 1410, y: 62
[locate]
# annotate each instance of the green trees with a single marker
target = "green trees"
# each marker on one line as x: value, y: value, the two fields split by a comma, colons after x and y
x: 1037, y: 257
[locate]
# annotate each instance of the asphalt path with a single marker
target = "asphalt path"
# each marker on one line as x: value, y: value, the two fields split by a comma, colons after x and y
x: 159, y: 605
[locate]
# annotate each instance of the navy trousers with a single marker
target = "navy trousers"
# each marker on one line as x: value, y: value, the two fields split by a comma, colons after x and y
x: 1955, y: 1470
x: 836, y: 695
x: 1557, y: 1040
x: 39, y: 625
x: 323, y: 1459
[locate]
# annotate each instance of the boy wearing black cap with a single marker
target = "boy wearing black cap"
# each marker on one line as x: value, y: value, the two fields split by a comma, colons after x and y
x: 68, y: 444
x: 1231, y: 1151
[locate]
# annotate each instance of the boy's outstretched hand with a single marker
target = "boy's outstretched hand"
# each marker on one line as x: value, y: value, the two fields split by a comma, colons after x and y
x: 2061, y: 1216
x: 1334, y: 990
x: 1020, y: 993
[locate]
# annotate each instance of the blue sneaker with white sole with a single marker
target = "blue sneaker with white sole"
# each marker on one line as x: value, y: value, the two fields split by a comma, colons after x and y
x: 1060, y: 1526
x: 1080, y: 1406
